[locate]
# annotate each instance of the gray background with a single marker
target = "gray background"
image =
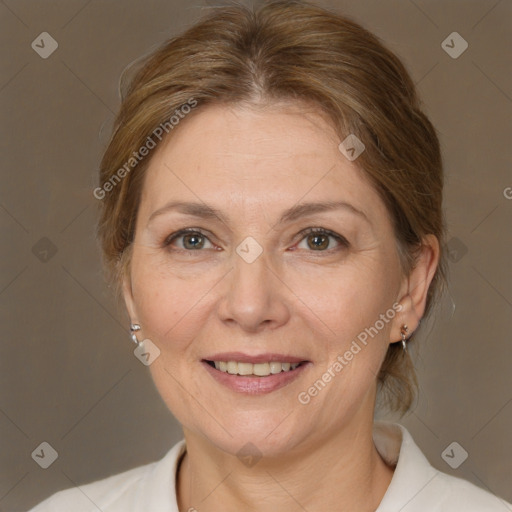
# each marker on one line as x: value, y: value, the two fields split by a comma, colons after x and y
x: 69, y: 376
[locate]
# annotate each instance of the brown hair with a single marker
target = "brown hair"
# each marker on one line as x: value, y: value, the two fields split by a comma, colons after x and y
x: 287, y: 50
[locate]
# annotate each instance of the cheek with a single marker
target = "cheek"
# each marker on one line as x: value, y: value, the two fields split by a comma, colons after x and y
x: 171, y: 312
x: 351, y: 298
x: 169, y: 305
x: 357, y: 306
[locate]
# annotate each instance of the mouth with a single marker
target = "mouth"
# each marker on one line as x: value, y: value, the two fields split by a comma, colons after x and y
x: 254, y: 375
x: 245, y: 369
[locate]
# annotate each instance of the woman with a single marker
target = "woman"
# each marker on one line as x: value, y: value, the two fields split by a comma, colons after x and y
x: 271, y: 211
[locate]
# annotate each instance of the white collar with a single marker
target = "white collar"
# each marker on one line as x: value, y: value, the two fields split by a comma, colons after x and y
x: 416, y: 486
x: 412, y: 473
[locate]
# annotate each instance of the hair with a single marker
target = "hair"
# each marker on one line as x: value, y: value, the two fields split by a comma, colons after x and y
x: 287, y: 51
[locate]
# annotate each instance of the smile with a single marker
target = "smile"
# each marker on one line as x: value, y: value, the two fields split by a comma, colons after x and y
x: 253, y: 369
x: 264, y: 374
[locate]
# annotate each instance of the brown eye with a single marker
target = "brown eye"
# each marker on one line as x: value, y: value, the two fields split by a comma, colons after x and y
x: 193, y: 241
x: 320, y: 240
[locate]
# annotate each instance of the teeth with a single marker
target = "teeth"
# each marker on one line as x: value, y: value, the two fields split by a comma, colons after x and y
x: 245, y: 368
x: 261, y: 369
x: 232, y: 367
x: 275, y: 367
x: 258, y: 369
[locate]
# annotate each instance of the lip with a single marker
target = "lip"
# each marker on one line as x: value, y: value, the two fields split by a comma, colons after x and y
x: 241, y: 357
x: 256, y: 385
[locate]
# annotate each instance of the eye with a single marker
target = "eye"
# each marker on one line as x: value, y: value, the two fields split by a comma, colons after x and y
x: 319, y: 239
x: 192, y: 239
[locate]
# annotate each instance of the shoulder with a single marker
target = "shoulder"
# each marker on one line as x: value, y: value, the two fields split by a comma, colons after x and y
x: 454, y: 494
x: 129, y: 491
x: 417, y: 486
x: 98, y: 494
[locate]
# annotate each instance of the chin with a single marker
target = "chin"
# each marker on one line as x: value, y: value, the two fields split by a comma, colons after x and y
x: 268, y: 434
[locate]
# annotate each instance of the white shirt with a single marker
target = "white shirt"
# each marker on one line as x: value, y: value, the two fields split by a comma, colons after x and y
x: 416, y: 486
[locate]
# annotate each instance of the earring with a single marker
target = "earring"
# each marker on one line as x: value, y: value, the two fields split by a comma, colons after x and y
x: 133, y: 329
x: 403, y: 331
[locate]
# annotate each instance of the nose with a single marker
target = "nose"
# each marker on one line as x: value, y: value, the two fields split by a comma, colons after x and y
x: 255, y: 298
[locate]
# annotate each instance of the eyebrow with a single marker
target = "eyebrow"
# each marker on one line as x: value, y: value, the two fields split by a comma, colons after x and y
x: 205, y: 211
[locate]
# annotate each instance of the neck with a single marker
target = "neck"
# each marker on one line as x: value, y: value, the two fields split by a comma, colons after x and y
x: 344, y: 472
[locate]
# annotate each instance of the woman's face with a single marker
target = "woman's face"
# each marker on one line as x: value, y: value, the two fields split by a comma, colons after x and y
x: 251, y: 284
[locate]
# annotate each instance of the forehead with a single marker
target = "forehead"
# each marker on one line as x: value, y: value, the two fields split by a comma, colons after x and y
x: 245, y: 156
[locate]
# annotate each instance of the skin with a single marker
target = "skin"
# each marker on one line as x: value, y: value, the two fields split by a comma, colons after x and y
x: 252, y: 163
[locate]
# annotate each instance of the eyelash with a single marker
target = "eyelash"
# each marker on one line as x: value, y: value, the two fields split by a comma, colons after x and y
x: 304, y: 233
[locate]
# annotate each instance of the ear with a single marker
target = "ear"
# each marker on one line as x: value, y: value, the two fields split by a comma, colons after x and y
x: 128, y: 297
x: 414, y: 288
